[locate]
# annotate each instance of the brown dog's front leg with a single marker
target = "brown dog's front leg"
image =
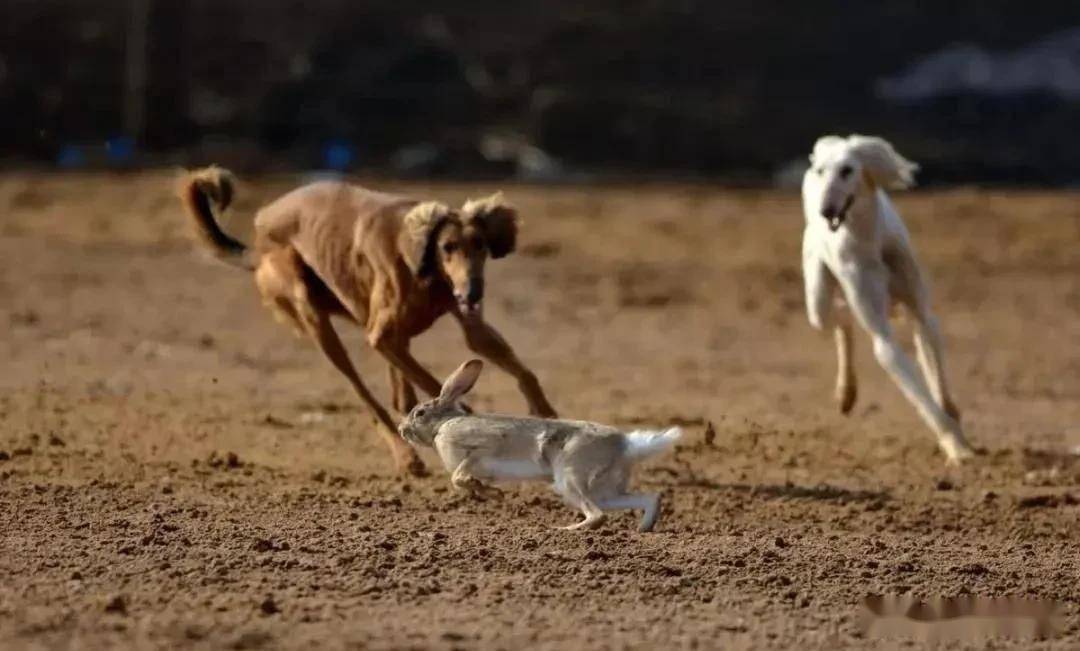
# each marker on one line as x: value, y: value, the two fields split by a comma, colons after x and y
x: 382, y: 336
x: 404, y: 394
x: 485, y: 340
x: 403, y: 361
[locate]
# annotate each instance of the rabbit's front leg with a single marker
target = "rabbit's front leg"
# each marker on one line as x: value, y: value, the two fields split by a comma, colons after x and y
x: 463, y: 480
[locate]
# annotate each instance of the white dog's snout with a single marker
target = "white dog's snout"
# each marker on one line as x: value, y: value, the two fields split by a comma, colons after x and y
x: 836, y: 211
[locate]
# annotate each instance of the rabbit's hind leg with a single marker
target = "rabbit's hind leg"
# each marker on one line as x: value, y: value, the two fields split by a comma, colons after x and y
x: 649, y: 503
x: 594, y: 517
x: 608, y: 489
x: 570, y: 488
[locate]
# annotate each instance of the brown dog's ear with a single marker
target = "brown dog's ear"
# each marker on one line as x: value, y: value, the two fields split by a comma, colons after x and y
x: 497, y: 219
x: 417, y: 239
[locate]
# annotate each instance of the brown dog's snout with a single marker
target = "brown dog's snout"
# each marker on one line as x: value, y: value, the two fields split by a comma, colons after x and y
x: 476, y: 291
x: 472, y: 294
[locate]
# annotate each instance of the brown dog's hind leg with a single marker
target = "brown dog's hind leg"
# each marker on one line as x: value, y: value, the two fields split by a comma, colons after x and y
x: 315, y: 319
x: 321, y: 330
x: 324, y: 335
x: 275, y: 277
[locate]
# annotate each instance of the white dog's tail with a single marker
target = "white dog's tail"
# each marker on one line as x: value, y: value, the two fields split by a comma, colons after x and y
x: 643, y: 444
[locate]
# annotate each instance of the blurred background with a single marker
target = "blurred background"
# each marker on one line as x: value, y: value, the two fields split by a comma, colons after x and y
x: 553, y: 91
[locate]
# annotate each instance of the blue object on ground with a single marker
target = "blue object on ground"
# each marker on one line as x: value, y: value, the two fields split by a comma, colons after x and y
x: 120, y: 149
x: 70, y: 156
x: 338, y: 155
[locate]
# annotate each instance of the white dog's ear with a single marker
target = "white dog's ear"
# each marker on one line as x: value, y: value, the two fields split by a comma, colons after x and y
x: 823, y: 145
x: 885, y: 166
x: 461, y: 380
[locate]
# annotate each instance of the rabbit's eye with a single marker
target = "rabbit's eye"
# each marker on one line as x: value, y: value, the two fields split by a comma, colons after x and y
x: 420, y: 412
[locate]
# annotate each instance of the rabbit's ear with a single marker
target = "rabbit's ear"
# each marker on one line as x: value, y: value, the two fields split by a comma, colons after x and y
x: 461, y: 380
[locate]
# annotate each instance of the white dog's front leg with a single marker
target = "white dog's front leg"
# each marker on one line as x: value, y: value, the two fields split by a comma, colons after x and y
x: 846, y: 387
x: 867, y: 293
x: 819, y: 284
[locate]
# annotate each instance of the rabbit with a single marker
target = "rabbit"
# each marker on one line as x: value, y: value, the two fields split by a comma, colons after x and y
x: 587, y: 463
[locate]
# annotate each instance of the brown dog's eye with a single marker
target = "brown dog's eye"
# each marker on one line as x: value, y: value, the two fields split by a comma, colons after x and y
x: 845, y: 171
x: 449, y: 247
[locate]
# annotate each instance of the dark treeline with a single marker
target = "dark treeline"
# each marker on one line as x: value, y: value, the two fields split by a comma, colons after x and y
x: 729, y: 89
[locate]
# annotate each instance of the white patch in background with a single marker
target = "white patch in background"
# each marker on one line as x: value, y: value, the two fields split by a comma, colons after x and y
x: 1050, y: 65
x: 312, y: 417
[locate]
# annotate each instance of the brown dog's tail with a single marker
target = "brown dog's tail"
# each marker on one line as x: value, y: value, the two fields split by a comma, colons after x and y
x: 202, y: 192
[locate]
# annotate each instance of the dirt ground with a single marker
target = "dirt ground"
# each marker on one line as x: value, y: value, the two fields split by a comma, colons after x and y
x: 178, y: 471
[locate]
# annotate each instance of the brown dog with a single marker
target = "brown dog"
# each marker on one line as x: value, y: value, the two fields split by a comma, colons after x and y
x: 388, y: 263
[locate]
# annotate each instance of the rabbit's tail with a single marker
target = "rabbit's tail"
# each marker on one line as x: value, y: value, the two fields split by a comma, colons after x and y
x: 643, y: 444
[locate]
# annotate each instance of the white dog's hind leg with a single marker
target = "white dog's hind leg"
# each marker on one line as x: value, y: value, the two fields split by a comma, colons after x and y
x: 928, y: 349
x: 911, y: 383
x: 868, y: 300
x: 914, y: 294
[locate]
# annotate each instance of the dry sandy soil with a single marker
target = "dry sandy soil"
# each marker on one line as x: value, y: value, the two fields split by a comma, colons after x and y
x: 178, y: 471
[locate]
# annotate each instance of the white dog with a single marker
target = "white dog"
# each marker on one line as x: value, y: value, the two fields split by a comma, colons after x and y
x: 854, y: 238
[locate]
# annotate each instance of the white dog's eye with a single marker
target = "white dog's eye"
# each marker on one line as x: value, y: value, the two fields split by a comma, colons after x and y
x: 845, y: 171
x: 820, y: 171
